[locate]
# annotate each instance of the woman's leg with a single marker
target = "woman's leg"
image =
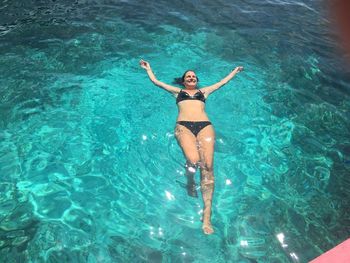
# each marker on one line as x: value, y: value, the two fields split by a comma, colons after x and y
x: 206, y: 142
x: 188, y: 143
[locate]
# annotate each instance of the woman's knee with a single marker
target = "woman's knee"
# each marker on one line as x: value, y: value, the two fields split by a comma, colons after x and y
x: 191, y: 165
x: 208, y: 167
x: 207, y: 174
x: 193, y: 159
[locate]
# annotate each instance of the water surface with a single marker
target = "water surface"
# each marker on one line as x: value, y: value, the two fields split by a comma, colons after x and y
x: 88, y: 159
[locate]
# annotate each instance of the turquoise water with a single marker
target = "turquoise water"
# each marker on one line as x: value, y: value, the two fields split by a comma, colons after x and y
x: 88, y: 159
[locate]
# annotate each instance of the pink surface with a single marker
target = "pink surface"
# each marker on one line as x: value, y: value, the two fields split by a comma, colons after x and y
x: 338, y: 254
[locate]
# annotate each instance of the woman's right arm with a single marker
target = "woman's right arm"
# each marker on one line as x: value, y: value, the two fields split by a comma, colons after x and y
x: 145, y: 65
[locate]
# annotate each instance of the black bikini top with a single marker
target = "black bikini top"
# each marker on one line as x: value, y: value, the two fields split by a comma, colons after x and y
x: 183, y: 95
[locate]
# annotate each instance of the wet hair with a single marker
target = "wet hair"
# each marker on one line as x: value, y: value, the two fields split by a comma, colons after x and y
x: 181, y: 80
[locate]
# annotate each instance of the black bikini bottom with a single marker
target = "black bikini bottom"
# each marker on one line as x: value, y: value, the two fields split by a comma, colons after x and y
x: 194, y: 126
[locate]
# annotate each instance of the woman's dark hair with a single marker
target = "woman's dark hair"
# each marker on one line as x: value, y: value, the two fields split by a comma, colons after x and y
x: 181, y: 80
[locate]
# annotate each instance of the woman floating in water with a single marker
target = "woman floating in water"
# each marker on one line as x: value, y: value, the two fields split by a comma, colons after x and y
x: 194, y: 133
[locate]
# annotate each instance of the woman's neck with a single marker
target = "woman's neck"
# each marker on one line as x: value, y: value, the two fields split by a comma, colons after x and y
x: 190, y: 88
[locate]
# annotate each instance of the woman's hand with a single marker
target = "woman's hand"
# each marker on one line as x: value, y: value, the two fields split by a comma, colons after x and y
x: 238, y: 69
x: 145, y: 65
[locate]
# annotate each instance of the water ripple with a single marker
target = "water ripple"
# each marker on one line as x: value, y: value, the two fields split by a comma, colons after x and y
x: 90, y: 169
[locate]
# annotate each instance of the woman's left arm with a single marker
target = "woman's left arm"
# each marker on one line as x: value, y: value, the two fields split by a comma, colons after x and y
x: 218, y: 85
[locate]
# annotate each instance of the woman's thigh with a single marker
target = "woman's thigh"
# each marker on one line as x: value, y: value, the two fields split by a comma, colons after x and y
x: 188, y: 143
x: 206, y: 143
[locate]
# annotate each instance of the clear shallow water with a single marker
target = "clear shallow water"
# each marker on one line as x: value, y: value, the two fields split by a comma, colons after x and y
x: 88, y: 160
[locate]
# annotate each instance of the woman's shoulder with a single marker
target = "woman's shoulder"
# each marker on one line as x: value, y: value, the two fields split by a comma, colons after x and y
x: 204, y: 91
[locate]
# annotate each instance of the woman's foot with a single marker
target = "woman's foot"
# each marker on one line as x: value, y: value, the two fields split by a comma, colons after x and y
x: 192, y: 189
x: 206, y: 219
x: 207, y: 228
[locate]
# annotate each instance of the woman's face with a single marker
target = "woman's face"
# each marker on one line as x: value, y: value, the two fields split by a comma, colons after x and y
x: 190, y: 80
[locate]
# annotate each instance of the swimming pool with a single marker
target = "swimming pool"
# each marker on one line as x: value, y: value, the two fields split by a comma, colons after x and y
x: 88, y: 161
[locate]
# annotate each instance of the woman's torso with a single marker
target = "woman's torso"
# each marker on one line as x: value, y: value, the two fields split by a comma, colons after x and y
x: 191, y: 106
